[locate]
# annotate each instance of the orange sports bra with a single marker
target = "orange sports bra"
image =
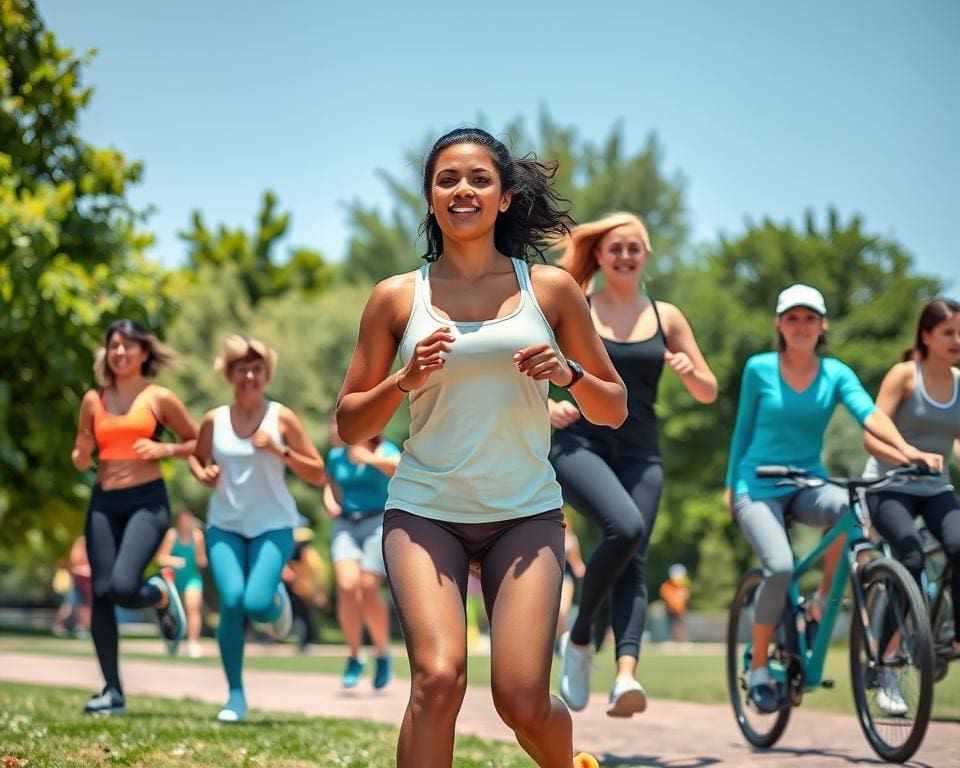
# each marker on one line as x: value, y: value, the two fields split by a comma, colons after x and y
x: 116, y: 433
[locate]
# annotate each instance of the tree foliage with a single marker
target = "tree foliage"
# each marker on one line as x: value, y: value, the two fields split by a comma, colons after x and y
x: 70, y: 262
x: 262, y: 272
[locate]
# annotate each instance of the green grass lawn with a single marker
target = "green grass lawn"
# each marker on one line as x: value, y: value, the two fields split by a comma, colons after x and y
x: 698, y: 677
x: 44, y: 727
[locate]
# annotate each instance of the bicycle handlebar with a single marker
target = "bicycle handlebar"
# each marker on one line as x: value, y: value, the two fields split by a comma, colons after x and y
x: 799, y: 476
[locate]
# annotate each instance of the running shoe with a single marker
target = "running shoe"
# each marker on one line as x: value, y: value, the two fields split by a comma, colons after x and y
x: 583, y: 760
x: 383, y: 673
x: 172, y: 619
x: 279, y: 628
x: 761, y: 693
x: 235, y: 710
x: 109, y: 702
x: 889, y: 695
x: 575, y: 673
x: 353, y: 673
x: 627, y: 698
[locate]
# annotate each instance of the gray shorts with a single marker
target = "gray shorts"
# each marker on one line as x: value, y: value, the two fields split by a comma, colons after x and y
x: 359, y: 540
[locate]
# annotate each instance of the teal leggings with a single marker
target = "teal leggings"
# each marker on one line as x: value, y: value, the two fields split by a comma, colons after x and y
x: 246, y: 573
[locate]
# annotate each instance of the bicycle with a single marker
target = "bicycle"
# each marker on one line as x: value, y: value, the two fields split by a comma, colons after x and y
x: 891, y: 649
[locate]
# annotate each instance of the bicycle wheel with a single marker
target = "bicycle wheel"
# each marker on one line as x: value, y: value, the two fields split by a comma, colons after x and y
x: 893, y: 694
x: 942, y: 630
x: 761, y: 730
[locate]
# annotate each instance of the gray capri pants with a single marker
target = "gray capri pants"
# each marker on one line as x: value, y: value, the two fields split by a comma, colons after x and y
x: 762, y: 522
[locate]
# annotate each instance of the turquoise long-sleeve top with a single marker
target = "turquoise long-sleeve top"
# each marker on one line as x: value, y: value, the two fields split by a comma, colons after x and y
x: 778, y: 425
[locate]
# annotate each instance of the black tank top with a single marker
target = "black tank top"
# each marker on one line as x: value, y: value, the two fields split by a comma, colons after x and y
x: 640, y: 364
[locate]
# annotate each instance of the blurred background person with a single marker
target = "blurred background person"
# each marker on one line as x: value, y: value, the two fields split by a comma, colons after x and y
x: 355, y: 497
x: 305, y: 577
x: 184, y: 550
x: 675, y: 592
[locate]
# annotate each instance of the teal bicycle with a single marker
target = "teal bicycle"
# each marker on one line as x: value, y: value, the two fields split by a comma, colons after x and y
x: 891, y: 648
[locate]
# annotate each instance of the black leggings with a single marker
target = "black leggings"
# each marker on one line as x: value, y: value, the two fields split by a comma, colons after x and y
x: 893, y: 514
x: 124, y: 528
x: 621, y: 494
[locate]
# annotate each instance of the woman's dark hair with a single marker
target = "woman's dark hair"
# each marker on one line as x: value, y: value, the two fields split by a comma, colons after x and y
x: 537, y: 217
x: 933, y: 313
x: 159, y: 354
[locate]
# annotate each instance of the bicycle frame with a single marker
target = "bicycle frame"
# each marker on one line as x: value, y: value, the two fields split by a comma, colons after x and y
x: 850, y: 529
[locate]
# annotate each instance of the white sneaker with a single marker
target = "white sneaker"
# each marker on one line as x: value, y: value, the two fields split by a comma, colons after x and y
x: 627, y: 698
x: 575, y: 673
x: 194, y: 651
x: 889, y: 695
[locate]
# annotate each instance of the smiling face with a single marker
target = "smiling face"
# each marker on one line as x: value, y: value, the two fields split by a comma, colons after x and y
x: 622, y: 254
x: 466, y: 194
x: 248, y: 376
x: 943, y: 340
x: 125, y: 356
x: 801, y: 328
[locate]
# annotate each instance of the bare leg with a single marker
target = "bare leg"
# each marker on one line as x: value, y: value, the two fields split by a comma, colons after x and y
x: 347, y: 573
x: 521, y: 575
x: 427, y: 572
x: 762, y: 635
x: 192, y: 604
x: 376, y: 612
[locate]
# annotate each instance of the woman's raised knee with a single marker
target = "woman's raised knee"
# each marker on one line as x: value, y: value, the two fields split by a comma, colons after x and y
x: 523, y: 711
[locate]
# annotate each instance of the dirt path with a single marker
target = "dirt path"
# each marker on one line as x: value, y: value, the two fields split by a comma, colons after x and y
x: 670, y: 734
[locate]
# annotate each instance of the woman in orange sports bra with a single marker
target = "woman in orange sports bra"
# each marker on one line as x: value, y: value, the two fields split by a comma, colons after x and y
x: 129, y: 512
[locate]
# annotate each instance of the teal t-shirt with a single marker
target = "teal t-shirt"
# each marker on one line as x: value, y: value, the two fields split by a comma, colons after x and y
x: 778, y: 425
x: 364, y: 487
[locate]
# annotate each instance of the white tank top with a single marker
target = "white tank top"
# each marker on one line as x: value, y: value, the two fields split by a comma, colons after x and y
x: 250, y: 496
x: 479, y: 429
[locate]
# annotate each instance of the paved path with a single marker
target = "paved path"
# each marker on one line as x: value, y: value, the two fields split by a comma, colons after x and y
x: 669, y: 735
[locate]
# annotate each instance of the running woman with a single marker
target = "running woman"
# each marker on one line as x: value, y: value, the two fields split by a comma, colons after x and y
x: 129, y: 512
x: 614, y: 476
x: 480, y: 334
x: 787, y: 398
x: 243, y: 451
x: 355, y: 497
x: 921, y: 396
x: 184, y: 550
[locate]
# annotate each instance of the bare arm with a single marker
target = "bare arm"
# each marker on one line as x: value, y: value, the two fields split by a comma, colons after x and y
x: 360, y: 454
x: 200, y: 548
x: 895, y: 387
x: 600, y: 394
x: 164, y: 557
x: 330, y: 501
x: 201, y: 463
x: 684, y: 356
x: 303, y: 457
x: 84, y: 444
x: 370, y: 394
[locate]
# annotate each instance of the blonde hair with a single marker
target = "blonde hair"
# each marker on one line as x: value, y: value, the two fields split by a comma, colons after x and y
x: 236, y: 348
x: 579, y: 247
x: 159, y: 355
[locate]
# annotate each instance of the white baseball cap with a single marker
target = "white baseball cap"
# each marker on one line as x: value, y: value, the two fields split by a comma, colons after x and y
x: 799, y: 295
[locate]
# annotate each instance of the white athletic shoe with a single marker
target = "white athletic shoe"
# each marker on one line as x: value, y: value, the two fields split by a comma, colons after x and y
x: 889, y: 695
x: 627, y: 698
x: 194, y: 651
x: 575, y: 672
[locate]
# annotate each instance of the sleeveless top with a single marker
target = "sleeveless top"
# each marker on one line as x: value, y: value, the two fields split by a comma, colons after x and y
x: 116, y: 433
x: 479, y: 429
x: 250, y: 497
x: 188, y: 552
x: 640, y: 365
x: 929, y: 426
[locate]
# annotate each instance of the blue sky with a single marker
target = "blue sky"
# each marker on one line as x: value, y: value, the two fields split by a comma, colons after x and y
x: 765, y: 107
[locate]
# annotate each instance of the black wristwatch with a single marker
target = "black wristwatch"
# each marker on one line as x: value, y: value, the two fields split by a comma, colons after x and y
x: 577, y: 370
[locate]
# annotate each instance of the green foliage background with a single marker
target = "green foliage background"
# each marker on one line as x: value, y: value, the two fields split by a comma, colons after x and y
x: 74, y: 256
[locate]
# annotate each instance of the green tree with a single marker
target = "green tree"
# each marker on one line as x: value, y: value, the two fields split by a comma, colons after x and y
x: 70, y: 262
x: 262, y: 272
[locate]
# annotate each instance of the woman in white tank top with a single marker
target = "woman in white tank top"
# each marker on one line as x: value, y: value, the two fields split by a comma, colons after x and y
x: 243, y: 451
x: 480, y: 336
